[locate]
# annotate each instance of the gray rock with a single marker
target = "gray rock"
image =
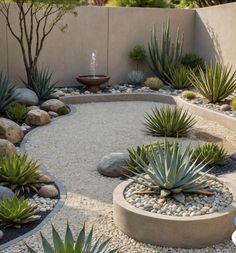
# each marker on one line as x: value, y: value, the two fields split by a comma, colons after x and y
x: 26, y: 96
x: 1, y: 234
x: 112, y: 165
x: 6, y: 147
x: 52, y: 105
x: 6, y: 193
x: 225, y: 107
x: 10, y: 131
x: 233, y: 156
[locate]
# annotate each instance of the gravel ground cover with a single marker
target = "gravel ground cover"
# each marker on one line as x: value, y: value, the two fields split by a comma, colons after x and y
x: 72, y: 147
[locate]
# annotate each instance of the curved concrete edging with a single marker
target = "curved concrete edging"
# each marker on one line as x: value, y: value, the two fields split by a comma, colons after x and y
x: 172, y: 231
x: 221, y: 118
x: 59, y: 185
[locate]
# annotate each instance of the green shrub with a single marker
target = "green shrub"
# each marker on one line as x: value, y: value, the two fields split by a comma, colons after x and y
x: 210, y: 153
x: 19, y: 173
x: 83, y: 244
x: 171, y: 172
x: 192, y: 61
x: 136, y: 77
x: 17, y: 212
x: 7, y: 95
x: 154, y: 83
x: 188, y: 95
x: 233, y: 104
x: 63, y: 110
x: 17, y: 112
x: 138, y: 54
x: 42, y: 84
x: 216, y: 83
x: 139, y: 3
x: 179, y: 77
x: 164, y: 53
x: 168, y: 121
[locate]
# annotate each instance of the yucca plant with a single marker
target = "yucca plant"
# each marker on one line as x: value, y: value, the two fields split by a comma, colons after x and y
x: 42, y: 84
x: 19, y: 173
x: 211, y: 154
x: 17, y: 212
x: 216, y: 83
x: 171, y: 172
x: 83, y: 244
x: 168, y: 121
x: 7, y: 95
x: 178, y: 77
x: 17, y: 112
x: 164, y: 53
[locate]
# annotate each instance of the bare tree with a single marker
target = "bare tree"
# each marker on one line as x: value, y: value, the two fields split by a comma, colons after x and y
x: 36, y: 20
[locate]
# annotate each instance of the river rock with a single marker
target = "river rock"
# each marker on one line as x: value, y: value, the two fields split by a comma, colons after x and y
x: 6, y: 193
x: 37, y: 118
x: 112, y: 165
x: 52, y: 105
x: 225, y: 107
x: 6, y: 147
x: 10, y: 131
x: 48, y: 191
x: 26, y: 96
x: 33, y: 107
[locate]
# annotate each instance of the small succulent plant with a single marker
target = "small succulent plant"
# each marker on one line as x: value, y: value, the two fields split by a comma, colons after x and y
x: 168, y: 121
x: 233, y: 104
x: 17, y: 112
x: 171, y: 172
x: 136, y: 77
x: 19, y: 173
x: 17, y: 212
x: 188, y: 95
x: 7, y: 95
x: 154, y: 83
x: 211, y: 154
x: 83, y: 244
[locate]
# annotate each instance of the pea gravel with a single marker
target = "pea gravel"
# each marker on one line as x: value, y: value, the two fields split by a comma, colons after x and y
x: 71, y: 148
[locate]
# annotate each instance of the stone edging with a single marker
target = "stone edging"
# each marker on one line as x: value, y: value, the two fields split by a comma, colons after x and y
x: 59, y: 185
x: 173, y: 231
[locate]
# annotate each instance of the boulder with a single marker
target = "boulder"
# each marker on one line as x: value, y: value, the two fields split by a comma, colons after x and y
x: 26, y: 96
x: 233, y: 156
x: 53, y: 114
x: 45, y: 179
x: 225, y: 107
x: 48, y: 191
x: 6, y: 193
x: 1, y: 234
x: 112, y: 165
x: 6, y: 147
x: 37, y: 117
x: 52, y: 105
x: 10, y: 131
x: 33, y: 107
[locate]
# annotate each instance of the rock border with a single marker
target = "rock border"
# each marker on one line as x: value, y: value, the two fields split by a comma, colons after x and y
x: 173, y: 231
x: 61, y: 188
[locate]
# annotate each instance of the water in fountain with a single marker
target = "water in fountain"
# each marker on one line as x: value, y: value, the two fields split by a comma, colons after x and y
x: 93, y: 65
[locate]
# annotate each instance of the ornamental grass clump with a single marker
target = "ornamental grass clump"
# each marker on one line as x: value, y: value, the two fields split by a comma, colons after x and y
x: 154, y: 83
x: 19, y: 173
x: 83, y: 244
x: 171, y: 172
x: 168, y: 121
x: 233, y: 104
x: 211, y: 154
x: 188, y: 95
x: 216, y: 83
x: 17, y: 212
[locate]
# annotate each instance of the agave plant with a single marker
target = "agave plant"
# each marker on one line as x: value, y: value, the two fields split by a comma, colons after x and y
x: 83, y: 244
x: 168, y: 121
x: 136, y: 77
x: 178, y: 77
x: 7, y: 95
x: 42, y: 85
x: 17, y: 212
x: 211, y: 154
x: 216, y: 83
x: 165, y: 54
x: 171, y: 172
x: 19, y: 173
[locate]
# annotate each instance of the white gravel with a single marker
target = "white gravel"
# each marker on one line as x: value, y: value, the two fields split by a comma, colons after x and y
x: 72, y: 147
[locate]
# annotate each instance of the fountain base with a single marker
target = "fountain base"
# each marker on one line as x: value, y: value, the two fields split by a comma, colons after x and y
x: 93, y: 82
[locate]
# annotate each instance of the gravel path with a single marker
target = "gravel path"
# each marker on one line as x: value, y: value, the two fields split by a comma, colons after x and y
x: 72, y: 147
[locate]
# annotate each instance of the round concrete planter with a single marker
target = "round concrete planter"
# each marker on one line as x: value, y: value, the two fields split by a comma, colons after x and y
x: 172, y: 231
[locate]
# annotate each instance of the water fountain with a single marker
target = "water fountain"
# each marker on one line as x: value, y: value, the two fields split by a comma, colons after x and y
x: 93, y: 81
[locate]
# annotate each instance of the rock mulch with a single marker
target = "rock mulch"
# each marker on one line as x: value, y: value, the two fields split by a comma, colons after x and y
x: 73, y: 146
